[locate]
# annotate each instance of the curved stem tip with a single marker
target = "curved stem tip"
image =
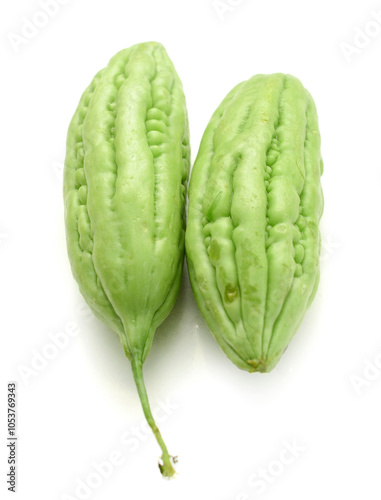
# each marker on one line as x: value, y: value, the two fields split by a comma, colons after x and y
x: 166, y: 467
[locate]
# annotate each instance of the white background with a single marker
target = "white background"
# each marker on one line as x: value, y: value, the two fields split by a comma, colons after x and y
x: 224, y: 424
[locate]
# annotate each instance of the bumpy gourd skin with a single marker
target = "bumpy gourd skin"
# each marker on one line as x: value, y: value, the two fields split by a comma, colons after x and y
x: 255, y: 201
x: 126, y: 170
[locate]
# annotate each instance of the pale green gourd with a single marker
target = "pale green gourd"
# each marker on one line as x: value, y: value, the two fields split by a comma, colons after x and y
x: 125, y: 177
x: 255, y: 202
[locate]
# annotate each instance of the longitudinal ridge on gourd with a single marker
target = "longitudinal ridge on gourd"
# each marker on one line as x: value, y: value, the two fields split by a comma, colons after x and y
x: 127, y: 165
x: 258, y: 273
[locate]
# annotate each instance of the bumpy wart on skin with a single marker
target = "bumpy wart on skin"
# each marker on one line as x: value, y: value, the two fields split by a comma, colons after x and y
x: 125, y: 178
x: 255, y: 202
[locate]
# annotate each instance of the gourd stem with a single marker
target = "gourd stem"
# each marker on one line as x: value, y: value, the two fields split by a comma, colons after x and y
x: 166, y: 468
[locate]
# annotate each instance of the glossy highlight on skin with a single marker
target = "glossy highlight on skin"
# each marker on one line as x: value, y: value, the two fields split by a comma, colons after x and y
x: 255, y: 202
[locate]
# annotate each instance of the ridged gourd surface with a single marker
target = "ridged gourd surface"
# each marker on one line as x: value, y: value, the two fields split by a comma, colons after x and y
x: 125, y: 179
x: 255, y: 201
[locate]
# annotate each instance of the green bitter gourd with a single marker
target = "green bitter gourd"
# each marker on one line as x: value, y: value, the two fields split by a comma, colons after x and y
x: 255, y: 201
x: 125, y: 177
